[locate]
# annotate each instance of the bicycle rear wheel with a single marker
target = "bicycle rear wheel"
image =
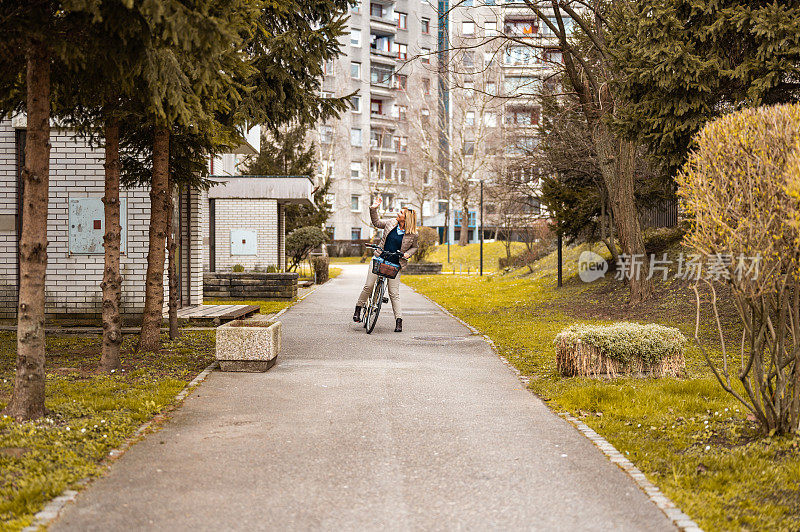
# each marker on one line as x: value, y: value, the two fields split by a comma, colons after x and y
x: 375, y: 306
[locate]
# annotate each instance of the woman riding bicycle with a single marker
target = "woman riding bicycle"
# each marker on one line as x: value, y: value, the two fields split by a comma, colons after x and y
x: 399, y: 235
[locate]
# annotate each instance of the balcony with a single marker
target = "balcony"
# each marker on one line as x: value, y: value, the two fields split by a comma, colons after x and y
x: 384, y: 56
x: 382, y: 120
x: 382, y: 25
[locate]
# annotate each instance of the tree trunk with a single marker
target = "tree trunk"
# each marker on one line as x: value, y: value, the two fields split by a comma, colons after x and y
x: 150, y: 336
x: 174, y: 282
x: 27, y: 400
x: 463, y: 238
x: 112, y: 280
x: 617, y: 162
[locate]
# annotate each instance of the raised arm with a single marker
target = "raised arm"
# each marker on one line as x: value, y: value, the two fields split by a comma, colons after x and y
x: 412, y: 249
x: 373, y: 214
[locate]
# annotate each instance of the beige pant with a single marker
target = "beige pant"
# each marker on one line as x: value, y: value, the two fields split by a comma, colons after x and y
x: 393, y: 289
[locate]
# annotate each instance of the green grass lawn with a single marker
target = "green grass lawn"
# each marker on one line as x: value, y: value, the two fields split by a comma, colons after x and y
x: 267, y: 307
x: 346, y: 260
x: 686, y: 434
x: 89, y: 413
x: 469, y: 256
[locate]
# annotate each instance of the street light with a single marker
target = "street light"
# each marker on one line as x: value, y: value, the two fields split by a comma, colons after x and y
x: 481, y: 227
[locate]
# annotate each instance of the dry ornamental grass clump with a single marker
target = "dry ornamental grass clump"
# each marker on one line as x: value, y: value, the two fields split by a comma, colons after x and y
x: 620, y: 348
x: 741, y: 190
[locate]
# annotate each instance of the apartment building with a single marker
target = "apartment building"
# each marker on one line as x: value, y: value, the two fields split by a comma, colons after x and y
x: 389, y: 60
x: 391, y: 57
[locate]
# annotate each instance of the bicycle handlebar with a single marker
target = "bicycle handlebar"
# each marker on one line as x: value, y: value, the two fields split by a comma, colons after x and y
x: 372, y: 246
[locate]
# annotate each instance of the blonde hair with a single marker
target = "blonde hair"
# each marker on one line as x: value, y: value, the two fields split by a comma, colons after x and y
x: 411, y: 221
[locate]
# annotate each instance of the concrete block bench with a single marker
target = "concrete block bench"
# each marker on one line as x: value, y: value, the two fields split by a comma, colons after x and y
x: 248, y: 345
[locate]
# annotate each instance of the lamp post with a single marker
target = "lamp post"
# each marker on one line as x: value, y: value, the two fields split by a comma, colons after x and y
x: 447, y: 229
x: 481, y: 229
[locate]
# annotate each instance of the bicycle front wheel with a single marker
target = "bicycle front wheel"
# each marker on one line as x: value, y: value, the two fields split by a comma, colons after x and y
x: 377, y: 299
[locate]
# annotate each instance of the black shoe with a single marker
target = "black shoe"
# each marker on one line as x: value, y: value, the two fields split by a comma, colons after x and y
x: 357, y: 315
x: 399, y: 326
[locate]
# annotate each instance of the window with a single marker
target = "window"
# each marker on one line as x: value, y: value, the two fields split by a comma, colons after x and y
x: 376, y: 10
x: 469, y: 147
x: 565, y: 19
x: 402, y: 50
x: 402, y: 20
x: 356, y: 7
x: 470, y: 118
x: 376, y: 107
x: 490, y: 27
x: 491, y: 88
x: 553, y: 56
x: 519, y: 55
x: 381, y: 43
x: 523, y: 146
x: 326, y: 169
x: 381, y: 75
x: 426, y: 26
x: 523, y: 116
x: 355, y: 38
x: 469, y: 84
x: 488, y: 2
x: 468, y: 28
x: 402, y: 175
x: 466, y: 3
x: 331, y: 230
x: 401, y: 112
x: 488, y: 58
x: 469, y: 59
x: 427, y: 177
x: 426, y: 86
x: 355, y: 206
x: 401, y: 82
x: 442, y: 206
x: 378, y: 139
x: 521, y: 85
x: 328, y: 68
x: 327, y: 94
x: 425, y: 115
x: 355, y: 232
x: 521, y: 28
x: 355, y: 136
x: 380, y: 170
x: 490, y: 119
x: 326, y: 134
x: 355, y: 70
x: 425, y: 55
x: 401, y: 144
x: 355, y: 170
x: 355, y: 104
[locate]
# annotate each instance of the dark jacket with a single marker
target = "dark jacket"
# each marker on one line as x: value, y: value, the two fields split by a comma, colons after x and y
x: 409, y: 244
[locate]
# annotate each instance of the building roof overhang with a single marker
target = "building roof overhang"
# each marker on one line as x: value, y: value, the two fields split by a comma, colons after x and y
x: 297, y: 190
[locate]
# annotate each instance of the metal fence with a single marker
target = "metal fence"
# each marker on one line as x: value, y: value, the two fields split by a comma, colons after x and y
x: 665, y: 214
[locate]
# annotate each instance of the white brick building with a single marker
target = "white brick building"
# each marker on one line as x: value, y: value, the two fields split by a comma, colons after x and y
x: 75, y: 231
x: 245, y: 220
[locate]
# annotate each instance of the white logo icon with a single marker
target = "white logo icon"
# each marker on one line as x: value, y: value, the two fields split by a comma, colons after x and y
x: 591, y: 266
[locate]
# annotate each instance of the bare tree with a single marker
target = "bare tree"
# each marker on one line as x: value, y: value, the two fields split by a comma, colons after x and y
x: 579, y: 60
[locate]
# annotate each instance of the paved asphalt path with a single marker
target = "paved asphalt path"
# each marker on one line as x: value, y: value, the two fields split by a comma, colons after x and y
x: 424, y: 430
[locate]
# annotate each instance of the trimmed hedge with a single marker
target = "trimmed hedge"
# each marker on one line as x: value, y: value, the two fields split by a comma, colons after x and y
x: 627, y: 348
x: 624, y: 340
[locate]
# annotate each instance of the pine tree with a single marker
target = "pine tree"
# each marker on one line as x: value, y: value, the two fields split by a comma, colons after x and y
x: 287, y: 151
x: 36, y: 50
x: 684, y: 62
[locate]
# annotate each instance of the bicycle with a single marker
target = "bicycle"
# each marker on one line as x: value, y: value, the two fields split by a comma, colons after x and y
x: 384, y: 270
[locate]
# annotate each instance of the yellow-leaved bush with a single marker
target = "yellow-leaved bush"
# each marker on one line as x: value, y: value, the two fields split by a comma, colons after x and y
x: 740, y: 188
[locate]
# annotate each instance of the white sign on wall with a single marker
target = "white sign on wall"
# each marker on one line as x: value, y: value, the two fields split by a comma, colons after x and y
x: 244, y: 242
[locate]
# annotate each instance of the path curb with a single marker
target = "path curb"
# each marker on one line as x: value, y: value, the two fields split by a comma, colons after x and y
x: 52, y: 509
x: 681, y: 520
